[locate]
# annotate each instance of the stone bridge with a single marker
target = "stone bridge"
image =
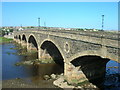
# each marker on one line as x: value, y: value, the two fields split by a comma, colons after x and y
x: 82, y: 54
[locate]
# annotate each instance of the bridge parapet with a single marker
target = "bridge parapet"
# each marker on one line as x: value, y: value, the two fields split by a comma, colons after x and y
x: 99, y: 34
x: 104, y: 38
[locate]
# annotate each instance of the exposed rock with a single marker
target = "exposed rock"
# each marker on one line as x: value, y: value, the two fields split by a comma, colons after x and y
x: 18, y: 78
x: 60, y: 83
x: 47, y: 60
x: 61, y: 74
x: 46, y: 77
x: 78, y: 88
x: 17, y: 64
x: 53, y: 76
x: 28, y: 62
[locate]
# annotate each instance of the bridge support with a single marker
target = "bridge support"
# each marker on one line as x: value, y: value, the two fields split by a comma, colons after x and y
x: 15, y: 39
x: 73, y: 74
x: 24, y: 44
x: 42, y: 54
x: 39, y: 53
x: 18, y: 41
x: 29, y: 46
x: 90, y: 68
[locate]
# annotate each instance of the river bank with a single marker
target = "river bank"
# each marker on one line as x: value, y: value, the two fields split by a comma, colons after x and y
x: 4, y: 40
x: 25, y: 83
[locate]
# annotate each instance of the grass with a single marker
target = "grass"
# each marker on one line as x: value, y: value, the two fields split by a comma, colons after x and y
x: 83, y: 83
x: 76, y: 82
x: 5, y: 40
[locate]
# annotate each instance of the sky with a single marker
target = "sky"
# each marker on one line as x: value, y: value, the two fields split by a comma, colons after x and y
x: 60, y: 0
x: 61, y: 14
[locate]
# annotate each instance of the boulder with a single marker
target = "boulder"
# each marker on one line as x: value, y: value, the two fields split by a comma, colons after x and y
x: 53, y: 76
x: 46, y: 77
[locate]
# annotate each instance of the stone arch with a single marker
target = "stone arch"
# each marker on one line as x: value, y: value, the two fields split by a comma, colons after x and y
x: 89, y: 53
x: 33, y: 41
x: 24, y: 38
x: 53, y: 50
x: 14, y: 37
x: 92, y: 64
x: 57, y: 46
x: 19, y: 37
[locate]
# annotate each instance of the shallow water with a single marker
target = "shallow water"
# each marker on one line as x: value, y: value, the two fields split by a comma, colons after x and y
x: 112, y: 78
x: 111, y: 66
x: 10, y: 71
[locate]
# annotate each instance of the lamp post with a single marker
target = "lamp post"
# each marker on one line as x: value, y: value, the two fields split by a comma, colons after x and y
x: 44, y: 24
x: 102, y: 21
x: 39, y: 22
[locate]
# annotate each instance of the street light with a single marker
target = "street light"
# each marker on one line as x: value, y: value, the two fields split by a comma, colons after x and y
x: 39, y: 22
x: 102, y: 21
x: 44, y: 24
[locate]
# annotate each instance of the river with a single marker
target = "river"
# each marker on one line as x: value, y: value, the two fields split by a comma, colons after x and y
x: 11, y: 71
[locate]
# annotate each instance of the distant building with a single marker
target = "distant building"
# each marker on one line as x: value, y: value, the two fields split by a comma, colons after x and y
x: 20, y: 29
x: 95, y: 30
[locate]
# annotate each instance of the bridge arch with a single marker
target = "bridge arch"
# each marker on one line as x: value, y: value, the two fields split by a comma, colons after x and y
x: 15, y: 37
x: 53, y: 50
x: 33, y: 41
x: 89, y: 53
x: 24, y: 38
x: 19, y: 37
x: 55, y: 44
x: 92, y: 64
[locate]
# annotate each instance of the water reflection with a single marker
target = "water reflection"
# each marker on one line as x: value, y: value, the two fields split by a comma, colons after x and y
x: 112, y: 67
x: 112, y: 77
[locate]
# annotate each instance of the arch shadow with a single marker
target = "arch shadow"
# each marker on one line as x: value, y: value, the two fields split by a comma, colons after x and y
x: 32, y: 40
x: 53, y: 50
x: 19, y: 37
x: 24, y: 38
x: 93, y: 67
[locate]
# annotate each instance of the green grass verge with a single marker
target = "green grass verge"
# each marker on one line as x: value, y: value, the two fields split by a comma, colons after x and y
x: 5, y: 40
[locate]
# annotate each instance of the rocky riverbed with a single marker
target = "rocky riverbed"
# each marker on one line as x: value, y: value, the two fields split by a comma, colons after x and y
x: 53, y: 81
x: 24, y: 83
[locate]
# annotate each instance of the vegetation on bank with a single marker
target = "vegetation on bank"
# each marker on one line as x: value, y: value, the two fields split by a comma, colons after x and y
x: 5, y: 40
x: 6, y: 30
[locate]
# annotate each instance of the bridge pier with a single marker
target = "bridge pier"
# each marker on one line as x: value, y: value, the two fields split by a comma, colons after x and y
x: 23, y: 43
x: 42, y: 54
x: 39, y: 53
x: 30, y: 47
x: 18, y: 41
x: 27, y: 46
x: 15, y: 39
x: 90, y: 68
x: 73, y: 74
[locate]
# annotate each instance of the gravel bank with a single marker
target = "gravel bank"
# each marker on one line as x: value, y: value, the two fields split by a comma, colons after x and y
x: 23, y: 83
